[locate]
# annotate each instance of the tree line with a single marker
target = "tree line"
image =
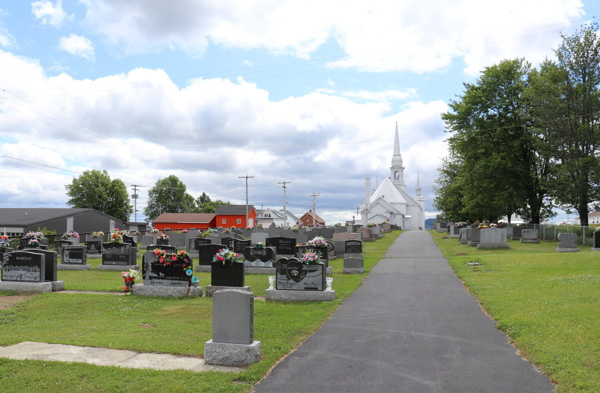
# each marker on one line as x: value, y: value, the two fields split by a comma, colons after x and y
x: 96, y: 190
x: 525, y: 140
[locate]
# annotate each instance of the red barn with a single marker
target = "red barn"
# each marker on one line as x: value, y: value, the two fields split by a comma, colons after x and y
x: 185, y: 220
x: 311, y: 217
x: 235, y: 216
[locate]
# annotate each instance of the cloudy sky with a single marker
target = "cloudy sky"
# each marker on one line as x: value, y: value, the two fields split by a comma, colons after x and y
x: 301, y: 91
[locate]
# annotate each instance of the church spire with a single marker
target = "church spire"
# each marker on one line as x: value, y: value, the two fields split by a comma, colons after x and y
x: 397, y: 169
x: 397, y: 158
x: 418, y: 186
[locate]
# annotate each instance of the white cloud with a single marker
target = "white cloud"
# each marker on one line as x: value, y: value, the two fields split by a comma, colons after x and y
x: 379, y: 35
x: 248, y: 63
x: 6, y: 39
x: 50, y: 14
x: 330, y: 82
x: 78, y: 45
x: 380, y: 96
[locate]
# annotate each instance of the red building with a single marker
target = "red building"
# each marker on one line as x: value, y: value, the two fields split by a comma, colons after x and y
x: 185, y: 220
x: 235, y: 216
x: 310, y: 218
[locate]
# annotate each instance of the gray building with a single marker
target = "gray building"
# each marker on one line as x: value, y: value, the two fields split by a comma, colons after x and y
x: 18, y: 221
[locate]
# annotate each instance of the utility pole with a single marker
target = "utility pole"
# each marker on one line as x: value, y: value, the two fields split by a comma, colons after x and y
x: 284, y: 201
x: 314, y: 196
x: 134, y: 196
x: 246, y: 177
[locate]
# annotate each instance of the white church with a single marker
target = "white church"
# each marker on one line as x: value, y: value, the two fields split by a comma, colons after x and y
x: 389, y: 202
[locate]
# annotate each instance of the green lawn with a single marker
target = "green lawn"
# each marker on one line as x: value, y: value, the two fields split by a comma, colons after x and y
x: 159, y: 325
x: 548, y: 303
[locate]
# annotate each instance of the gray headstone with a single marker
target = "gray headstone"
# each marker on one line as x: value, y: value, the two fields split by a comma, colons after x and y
x: 232, y: 316
x: 259, y: 237
x: 567, y: 240
x: 147, y: 240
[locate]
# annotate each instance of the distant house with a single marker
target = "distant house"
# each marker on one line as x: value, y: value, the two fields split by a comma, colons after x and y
x: 311, y: 218
x: 235, y: 216
x: 593, y: 218
x: 134, y: 226
x: 18, y: 221
x: 267, y: 216
x: 185, y: 220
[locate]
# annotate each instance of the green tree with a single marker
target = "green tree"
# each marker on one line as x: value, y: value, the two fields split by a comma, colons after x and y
x: 169, y: 196
x: 202, y: 199
x: 565, y: 101
x: 94, y: 189
x: 211, y: 206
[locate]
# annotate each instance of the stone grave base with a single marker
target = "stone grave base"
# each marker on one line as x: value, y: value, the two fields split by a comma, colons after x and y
x: 473, y: 244
x: 120, y: 268
x: 94, y: 256
x: 441, y: 230
x: 595, y: 249
x: 158, y: 290
x: 203, y: 268
x: 368, y: 240
x: 515, y: 238
x: 49, y: 286
x: 299, y: 296
x: 351, y: 270
x: 65, y: 266
x: 558, y: 249
x: 530, y: 241
x: 492, y: 245
x: 453, y: 237
x: 227, y: 354
x: 210, y: 289
x: 259, y: 270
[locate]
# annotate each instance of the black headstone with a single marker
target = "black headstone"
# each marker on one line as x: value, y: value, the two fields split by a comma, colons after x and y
x: 596, y: 239
x: 24, y: 266
x: 207, y: 252
x: 227, y: 275
x: 294, y: 275
x: 353, y: 247
x: 118, y: 254
x: 229, y: 242
x: 240, y: 245
x: 59, y: 244
x: 322, y: 251
x: 171, y: 274
x: 49, y: 262
x: 130, y: 240
x: 283, y: 245
x: 74, y: 255
x: 264, y: 254
x: 199, y: 241
x: 94, y: 246
x: 162, y: 242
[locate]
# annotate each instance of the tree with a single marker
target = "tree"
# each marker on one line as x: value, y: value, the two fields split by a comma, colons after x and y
x: 202, y: 199
x: 95, y: 190
x: 501, y: 170
x: 565, y: 101
x: 210, y: 206
x: 169, y: 196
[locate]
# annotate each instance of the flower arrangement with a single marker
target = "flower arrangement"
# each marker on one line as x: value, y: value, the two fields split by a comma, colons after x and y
x: 67, y: 235
x: 460, y: 224
x: 115, y: 236
x: 185, y: 231
x: 4, y: 238
x: 34, y: 235
x: 138, y: 233
x: 492, y: 225
x: 163, y: 236
x: 129, y: 278
x: 167, y: 229
x: 259, y: 245
x: 318, y: 241
x: 227, y: 230
x: 369, y: 225
x: 167, y: 259
x: 385, y: 222
x: 294, y: 229
x: 97, y: 234
x: 310, y: 257
x: 260, y: 226
x: 225, y: 255
x: 33, y: 242
x: 154, y: 230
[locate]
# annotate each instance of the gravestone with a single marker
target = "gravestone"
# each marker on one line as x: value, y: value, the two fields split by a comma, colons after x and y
x: 596, y: 241
x: 118, y: 254
x: 167, y: 248
x: 257, y: 237
x: 327, y: 233
x: 292, y: 275
x: 129, y: 240
x: 464, y: 235
x: 475, y: 237
x: 353, y: 247
x: 94, y: 246
x: 177, y: 239
x: 24, y: 266
x: 195, y: 242
x: 240, y: 245
x: 207, y: 252
x: 227, y: 274
x: 493, y: 238
x: 59, y: 244
x: 162, y: 242
x: 147, y: 240
x: 228, y: 242
x: 238, y: 232
x: 517, y: 233
x: 232, y: 330
x: 166, y: 275
x: 568, y: 243
x: 283, y: 245
x: 49, y: 263
x: 530, y: 236
x: 74, y: 255
x: 259, y: 257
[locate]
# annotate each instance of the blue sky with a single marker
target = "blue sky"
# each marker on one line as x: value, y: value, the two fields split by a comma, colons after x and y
x: 280, y: 90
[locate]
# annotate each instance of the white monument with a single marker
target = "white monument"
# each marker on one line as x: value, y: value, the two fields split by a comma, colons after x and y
x: 390, y: 202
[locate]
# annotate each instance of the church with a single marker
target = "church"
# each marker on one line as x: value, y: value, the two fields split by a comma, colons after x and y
x: 390, y: 202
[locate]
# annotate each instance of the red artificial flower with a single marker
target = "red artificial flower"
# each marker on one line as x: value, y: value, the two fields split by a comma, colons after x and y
x: 185, y: 265
x: 168, y: 264
x: 126, y: 289
x: 162, y: 260
x: 181, y: 252
x: 174, y: 257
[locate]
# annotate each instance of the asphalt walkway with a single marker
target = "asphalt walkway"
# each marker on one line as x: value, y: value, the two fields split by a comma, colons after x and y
x: 411, y: 327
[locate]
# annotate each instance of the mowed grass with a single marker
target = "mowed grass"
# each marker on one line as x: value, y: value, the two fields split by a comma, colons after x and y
x: 548, y: 303
x: 158, y: 325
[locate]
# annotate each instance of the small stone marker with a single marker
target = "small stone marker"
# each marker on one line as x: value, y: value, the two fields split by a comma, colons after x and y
x: 232, y: 330
x: 530, y: 236
x: 568, y: 243
x: 354, y: 262
x: 517, y: 233
x: 475, y: 237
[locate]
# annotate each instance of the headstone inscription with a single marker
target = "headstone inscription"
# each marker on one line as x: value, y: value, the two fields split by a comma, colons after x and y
x: 262, y: 254
x: 94, y: 246
x: 353, y: 247
x: 74, y: 255
x: 49, y: 262
x: 23, y: 266
x: 163, y: 242
x: 296, y: 276
x: 171, y: 273
x: 118, y: 254
x: 283, y: 245
x: 227, y: 274
x: 207, y: 252
x: 240, y: 245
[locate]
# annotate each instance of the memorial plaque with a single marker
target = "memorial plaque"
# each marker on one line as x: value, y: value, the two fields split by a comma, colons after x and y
x: 240, y: 245
x: 227, y: 275
x: 94, y: 246
x: 118, y: 254
x: 24, y: 266
x: 74, y: 255
x: 293, y: 275
x: 207, y: 252
x: 283, y: 245
x: 49, y: 262
x: 170, y: 274
x: 353, y: 247
x: 264, y: 254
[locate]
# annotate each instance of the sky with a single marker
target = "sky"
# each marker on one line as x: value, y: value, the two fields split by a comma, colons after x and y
x: 307, y: 92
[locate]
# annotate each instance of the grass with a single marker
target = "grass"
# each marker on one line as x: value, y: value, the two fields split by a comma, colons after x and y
x: 548, y: 303
x: 159, y: 325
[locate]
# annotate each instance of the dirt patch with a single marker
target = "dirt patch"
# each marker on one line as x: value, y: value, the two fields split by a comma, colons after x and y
x: 147, y: 325
x: 7, y: 302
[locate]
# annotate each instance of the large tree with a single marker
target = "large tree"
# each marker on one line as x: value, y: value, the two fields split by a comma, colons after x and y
x: 205, y: 205
x: 169, y: 196
x: 94, y: 189
x: 565, y: 101
x: 501, y: 170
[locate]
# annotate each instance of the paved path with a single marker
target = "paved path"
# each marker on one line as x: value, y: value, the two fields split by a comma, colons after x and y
x: 107, y: 357
x: 411, y: 327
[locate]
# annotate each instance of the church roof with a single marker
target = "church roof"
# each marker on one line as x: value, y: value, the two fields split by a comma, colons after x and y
x: 388, y: 191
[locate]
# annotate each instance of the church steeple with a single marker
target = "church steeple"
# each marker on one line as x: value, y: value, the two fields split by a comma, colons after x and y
x: 418, y: 186
x: 397, y: 169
